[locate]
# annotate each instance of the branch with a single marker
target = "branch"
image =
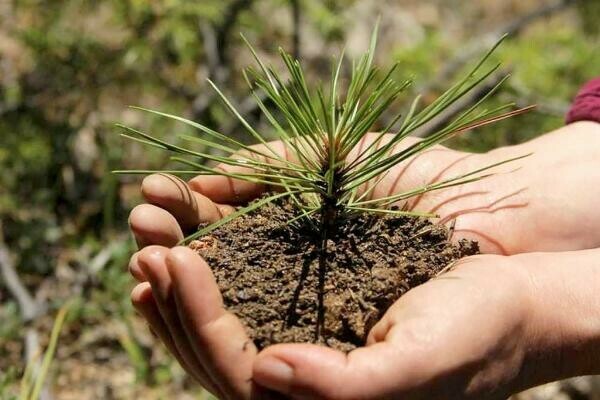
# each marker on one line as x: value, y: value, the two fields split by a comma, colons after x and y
x: 216, y: 42
x: 555, y: 108
x: 211, y: 49
x: 224, y: 32
x: 216, y: 71
x: 29, y: 308
x: 513, y: 28
x: 470, y: 50
x: 296, y: 27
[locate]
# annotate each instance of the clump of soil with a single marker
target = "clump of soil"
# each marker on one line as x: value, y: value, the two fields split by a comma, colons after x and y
x: 268, y: 272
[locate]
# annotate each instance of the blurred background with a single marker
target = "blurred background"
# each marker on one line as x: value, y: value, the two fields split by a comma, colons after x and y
x: 70, y: 68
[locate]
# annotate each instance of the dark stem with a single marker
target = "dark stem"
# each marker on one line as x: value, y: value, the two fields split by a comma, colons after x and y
x: 329, y: 219
x: 322, y: 272
x: 330, y: 214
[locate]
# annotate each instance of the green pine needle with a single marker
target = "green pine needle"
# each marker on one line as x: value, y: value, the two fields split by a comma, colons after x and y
x: 319, y: 127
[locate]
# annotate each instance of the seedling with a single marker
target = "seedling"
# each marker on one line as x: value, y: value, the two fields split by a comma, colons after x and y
x: 320, y: 127
x: 327, y: 164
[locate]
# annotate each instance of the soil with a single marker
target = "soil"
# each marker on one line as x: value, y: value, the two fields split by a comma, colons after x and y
x: 269, y: 272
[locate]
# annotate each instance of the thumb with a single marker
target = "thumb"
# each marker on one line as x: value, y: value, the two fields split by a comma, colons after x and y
x: 304, y: 371
x: 226, y: 189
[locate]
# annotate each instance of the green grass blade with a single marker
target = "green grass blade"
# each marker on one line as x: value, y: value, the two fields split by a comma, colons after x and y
x: 49, y: 354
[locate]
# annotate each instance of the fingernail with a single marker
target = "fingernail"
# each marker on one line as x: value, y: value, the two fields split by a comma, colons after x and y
x: 134, y: 268
x: 160, y: 288
x: 274, y: 373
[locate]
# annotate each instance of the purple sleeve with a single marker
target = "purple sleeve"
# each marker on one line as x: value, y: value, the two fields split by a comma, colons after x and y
x: 586, y: 106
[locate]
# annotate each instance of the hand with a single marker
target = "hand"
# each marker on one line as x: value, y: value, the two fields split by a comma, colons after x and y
x: 518, y: 210
x: 500, y: 225
x: 490, y: 328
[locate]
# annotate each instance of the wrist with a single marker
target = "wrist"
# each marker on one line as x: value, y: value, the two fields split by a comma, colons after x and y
x: 563, y: 317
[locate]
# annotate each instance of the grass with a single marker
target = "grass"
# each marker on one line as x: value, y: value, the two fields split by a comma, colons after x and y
x: 33, y: 380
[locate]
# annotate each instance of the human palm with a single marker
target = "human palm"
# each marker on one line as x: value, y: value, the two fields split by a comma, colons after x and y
x: 465, y: 334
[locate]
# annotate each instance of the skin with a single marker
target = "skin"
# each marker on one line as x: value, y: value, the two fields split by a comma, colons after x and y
x: 497, y: 323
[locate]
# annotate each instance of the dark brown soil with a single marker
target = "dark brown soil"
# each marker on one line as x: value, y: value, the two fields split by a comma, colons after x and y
x: 268, y: 272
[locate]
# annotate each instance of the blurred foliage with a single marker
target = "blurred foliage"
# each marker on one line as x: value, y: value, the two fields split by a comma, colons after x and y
x: 70, y: 68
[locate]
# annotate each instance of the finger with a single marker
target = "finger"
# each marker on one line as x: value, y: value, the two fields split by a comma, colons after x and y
x: 189, y: 208
x: 407, y: 355
x: 152, y: 225
x: 135, y: 270
x: 304, y: 371
x: 144, y: 303
x: 152, y: 263
x: 224, y: 189
x: 477, y: 210
x: 218, y: 338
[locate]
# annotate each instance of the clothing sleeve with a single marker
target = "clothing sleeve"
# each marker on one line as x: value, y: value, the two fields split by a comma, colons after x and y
x: 586, y: 106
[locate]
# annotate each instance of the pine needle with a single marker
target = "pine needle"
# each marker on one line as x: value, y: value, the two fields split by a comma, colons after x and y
x: 319, y: 126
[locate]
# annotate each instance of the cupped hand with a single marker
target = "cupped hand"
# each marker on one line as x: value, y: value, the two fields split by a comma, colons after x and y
x: 491, y: 327
x: 545, y: 204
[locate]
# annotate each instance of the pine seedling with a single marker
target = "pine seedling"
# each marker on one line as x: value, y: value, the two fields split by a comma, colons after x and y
x: 316, y: 165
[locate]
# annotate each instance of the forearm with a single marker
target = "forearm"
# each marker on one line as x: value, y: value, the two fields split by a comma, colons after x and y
x: 564, y: 316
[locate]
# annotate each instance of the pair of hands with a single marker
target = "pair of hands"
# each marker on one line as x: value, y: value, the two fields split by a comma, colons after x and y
x: 496, y: 324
